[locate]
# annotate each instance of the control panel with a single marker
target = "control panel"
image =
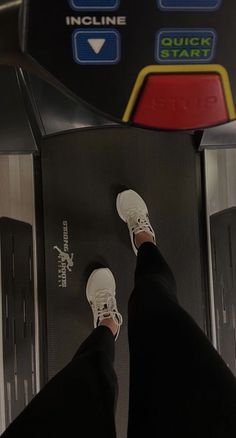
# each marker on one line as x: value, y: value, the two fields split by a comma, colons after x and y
x: 163, y: 64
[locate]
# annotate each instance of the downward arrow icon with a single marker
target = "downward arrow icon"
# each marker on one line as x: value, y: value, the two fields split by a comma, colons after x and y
x: 96, y: 44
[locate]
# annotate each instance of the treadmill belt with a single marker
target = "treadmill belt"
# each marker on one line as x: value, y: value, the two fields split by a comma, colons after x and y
x: 82, y: 173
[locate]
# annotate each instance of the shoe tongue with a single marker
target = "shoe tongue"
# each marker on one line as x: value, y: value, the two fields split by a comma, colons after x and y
x: 104, y: 315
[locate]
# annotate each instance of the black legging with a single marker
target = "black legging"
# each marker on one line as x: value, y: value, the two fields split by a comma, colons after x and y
x: 179, y: 385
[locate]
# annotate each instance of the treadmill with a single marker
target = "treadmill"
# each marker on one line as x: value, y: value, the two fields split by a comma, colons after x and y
x: 99, y: 96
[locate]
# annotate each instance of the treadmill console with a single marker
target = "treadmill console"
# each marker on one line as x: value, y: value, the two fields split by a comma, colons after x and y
x: 165, y: 64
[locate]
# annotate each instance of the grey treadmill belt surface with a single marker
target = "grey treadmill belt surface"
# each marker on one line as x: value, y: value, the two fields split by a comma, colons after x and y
x: 223, y: 238
x: 82, y: 173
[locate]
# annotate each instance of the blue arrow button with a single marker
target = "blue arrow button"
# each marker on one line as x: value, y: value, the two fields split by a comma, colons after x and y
x: 95, y: 5
x: 96, y: 46
x: 188, y: 4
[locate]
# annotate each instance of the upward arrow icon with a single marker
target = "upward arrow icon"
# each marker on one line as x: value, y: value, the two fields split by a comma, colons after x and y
x: 96, y: 44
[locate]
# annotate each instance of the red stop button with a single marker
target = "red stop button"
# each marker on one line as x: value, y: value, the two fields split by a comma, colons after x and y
x: 181, y: 101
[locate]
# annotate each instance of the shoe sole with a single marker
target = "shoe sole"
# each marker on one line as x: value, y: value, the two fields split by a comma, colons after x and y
x: 123, y: 219
x: 90, y: 279
x: 118, y: 207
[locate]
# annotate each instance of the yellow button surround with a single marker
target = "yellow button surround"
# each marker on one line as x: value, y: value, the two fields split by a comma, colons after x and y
x: 168, y: 69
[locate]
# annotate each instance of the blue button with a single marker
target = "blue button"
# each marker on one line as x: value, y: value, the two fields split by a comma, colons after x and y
x: 188, y: 4
x: 185, y: 46
x: 95, y: 5
x: 96, y: 46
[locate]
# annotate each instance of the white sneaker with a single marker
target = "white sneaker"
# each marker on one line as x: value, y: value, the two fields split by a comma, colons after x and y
x: 133, y: 210
x: 101, y: 292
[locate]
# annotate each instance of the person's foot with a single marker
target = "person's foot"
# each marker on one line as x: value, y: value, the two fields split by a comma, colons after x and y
x: 133, y: 210
x: 101, y: 292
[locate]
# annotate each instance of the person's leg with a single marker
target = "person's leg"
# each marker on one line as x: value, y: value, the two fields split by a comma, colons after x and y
x: 152, y: 266
x: 179, y: 385
x: 81, y: 399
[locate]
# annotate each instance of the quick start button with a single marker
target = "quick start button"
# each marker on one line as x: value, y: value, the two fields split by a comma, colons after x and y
x: 95, y: 5
x: 182, y: 46
x: 181, y: 101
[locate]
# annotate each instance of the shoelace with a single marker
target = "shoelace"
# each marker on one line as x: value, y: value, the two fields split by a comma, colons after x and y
x: 105, y: 307
x: 141, y: 221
